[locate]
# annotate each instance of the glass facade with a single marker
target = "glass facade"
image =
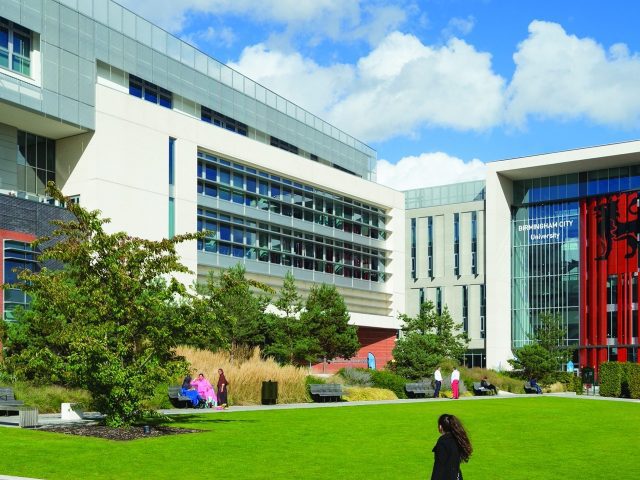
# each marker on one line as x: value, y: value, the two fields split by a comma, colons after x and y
x: 445, y: 194
x: 264, y: 242
x: 240, y: 184
x: 36, y: 163
x: 414, y: 273
x: 545, y: 268
x: 574, y: 186
x: 17, y: 256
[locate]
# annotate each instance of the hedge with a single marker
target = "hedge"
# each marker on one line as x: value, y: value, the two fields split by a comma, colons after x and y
x: 633, y: 377
x: 610, y: 378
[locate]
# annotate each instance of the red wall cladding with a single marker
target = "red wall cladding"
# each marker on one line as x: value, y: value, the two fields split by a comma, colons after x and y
x: 609, y: 251
x: 378, y: 341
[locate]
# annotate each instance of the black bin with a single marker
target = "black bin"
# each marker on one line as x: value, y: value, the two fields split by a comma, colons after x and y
x: 269, y: 392
x: 587, y: 376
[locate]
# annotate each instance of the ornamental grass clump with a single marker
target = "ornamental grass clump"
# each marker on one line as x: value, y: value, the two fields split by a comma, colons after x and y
x: 364, y: 394
x: 245, y: 371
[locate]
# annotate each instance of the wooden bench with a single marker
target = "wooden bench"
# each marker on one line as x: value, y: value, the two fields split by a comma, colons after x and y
x: 529, y: 389
x: 478, y: 389
x: 419, y: 390
x: 8, y: 402
x: 326, y: 392
x: 177, y: 399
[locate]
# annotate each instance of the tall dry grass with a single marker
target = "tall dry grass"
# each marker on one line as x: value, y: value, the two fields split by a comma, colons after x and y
x: 245, y: 371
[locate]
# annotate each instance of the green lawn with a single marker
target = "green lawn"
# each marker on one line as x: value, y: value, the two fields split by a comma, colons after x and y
x: 516, y: 438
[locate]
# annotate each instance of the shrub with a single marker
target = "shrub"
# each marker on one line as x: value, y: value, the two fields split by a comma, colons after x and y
x: 610, y: 378
x: 310, y: 379
x: 390, y: 381
x: 246, y: 375
x: 47, y: 398
x: 576, y: 385
x: 501, y: 380
x: 359, y: 394
x: 357, y: 377
x: 633, y: 372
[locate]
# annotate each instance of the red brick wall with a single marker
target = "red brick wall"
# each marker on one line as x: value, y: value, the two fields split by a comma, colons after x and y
x: 379, y: 341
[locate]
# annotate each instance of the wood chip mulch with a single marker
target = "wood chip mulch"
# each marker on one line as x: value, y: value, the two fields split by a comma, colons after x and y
x: 123, y: 433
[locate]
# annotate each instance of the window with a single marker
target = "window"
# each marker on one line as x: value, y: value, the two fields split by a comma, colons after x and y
x: 483, y: 309
x: 439, y: 300
x: 222, y: 121
x: 456, y: 244
x: 15, y: 47
x: 17, y: 256
x: 474, y: 243
x: 413, y: 248
x: 150, y: 92
x: 36, y: 163
x: 465, y: 308
x: 430, y: 246
x: 276, y: 142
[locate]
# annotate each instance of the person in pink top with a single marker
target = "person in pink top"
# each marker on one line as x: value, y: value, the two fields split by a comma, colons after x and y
x: 205, y: 390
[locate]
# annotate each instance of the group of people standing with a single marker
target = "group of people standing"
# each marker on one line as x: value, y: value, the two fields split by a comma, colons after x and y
x: 201, y: 393
x: 455, y: 382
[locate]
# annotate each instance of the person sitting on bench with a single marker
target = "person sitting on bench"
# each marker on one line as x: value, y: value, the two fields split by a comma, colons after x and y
x: 534, y: 384
x: 189, y: 390
x: 485, y: 384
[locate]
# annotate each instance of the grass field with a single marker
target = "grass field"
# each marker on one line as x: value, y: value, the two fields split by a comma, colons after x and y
x: 515, y: 438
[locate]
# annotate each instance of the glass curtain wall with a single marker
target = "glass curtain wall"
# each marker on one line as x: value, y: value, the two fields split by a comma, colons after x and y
x: 545, y: 268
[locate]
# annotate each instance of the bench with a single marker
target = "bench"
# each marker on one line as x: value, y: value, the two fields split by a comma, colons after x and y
x: 419, y: 390
x: 326, y: 392
x: 177, y: 399
x: 529, y: 389
x: 8, y: 402
x: 478, y: 389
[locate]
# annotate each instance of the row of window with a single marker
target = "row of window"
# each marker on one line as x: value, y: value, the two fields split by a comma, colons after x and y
x: 268, y: 243
x: 153, y: 93
x: 285, y: 197
x: 17, y: 256
x: 456, y: 245
x: 222, y: 121
x: 15, y: 47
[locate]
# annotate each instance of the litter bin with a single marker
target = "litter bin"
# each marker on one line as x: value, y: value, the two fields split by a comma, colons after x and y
x: 587, y: 375
x: 28, y: 417
x: 269, y: 392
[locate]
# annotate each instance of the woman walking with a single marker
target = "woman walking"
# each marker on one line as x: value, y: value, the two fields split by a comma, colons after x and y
x: 452, y: 447
x: 223, y: 385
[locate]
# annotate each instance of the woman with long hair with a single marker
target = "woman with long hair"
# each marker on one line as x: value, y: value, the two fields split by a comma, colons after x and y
x: 452, y: 448
x: 223, y: 385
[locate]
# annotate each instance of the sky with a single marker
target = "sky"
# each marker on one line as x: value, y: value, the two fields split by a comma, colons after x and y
x: 437, y: 87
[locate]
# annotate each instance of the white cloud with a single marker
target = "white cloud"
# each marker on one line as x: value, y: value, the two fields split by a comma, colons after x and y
x: 224, y: 36
x: 427, y: 170
x: 335, y: 19
x: 459, y: 26
x: 296, y: 78
x: 562, y: 76
x: 398, y: 87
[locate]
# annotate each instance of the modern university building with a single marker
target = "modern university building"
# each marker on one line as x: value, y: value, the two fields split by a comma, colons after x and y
x: 165, y: 140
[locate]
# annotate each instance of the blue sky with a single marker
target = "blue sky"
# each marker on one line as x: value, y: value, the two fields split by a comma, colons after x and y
x: 437, y: 87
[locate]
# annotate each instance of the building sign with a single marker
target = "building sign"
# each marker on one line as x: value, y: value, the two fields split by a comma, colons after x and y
x: 548, y: 231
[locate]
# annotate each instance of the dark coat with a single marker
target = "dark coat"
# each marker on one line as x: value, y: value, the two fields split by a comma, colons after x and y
x: 446, y: 463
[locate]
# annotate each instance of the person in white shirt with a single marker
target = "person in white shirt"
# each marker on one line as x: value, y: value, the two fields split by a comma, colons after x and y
x: 455, y: 383
x: 437, y: 377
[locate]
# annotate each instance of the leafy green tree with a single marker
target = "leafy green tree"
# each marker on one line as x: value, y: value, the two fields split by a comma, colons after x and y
x: 543, y: 358
x: 238, y: 304
x: 288, y: 339
x: 428, y: 339
x: 108, y: 320
x: 327, y: 320
x: 534, y: 361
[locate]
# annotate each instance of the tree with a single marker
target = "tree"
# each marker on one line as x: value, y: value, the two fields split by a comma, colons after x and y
x: 547, y: 352
x: 534, y: 361
x: 239, y: 310
x: 327, y: 321
x: 288, y: 338
x: 108, y: 319
x: 428, y: 339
